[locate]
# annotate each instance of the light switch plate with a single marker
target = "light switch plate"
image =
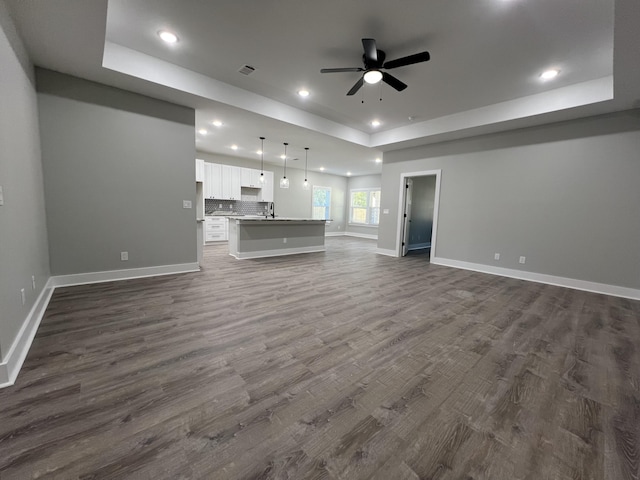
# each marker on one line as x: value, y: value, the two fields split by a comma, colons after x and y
x: 385, y: 211
x: 186, y: 204
x: 1, y: 196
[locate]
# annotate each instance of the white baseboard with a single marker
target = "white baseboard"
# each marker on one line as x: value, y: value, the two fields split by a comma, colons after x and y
x: 584, y: 285
x: 385, y: 251
x: 361, y: 235
x: 128, y: 274
x: 334, y: 234
x: 277, y: 253
x: 10, y: 367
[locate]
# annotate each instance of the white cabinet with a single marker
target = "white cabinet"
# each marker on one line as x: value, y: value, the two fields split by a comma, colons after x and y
x: 212, y: 180
x: 216, y: 229
x: 250, y: 177
x: 199, y: 170
x: 231, y: 179
x: 266, y: 194
x: 225, y: 182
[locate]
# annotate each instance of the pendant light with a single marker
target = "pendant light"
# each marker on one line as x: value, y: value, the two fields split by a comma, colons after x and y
x: 284, y: 181
x: 305, y: 185
x: 261, y: 159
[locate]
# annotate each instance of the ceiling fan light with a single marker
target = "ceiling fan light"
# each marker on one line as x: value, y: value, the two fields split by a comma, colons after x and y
x: 373, y: 76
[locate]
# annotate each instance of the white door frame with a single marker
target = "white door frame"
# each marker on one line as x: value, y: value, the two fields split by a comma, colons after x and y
x: 401, y: 205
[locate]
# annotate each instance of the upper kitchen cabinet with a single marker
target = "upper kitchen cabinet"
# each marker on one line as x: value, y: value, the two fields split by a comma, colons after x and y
x: 225, y: 182
x: 250, y: 178
x: 199, y: 170
x: 231, y: 182
x: 213, y: 181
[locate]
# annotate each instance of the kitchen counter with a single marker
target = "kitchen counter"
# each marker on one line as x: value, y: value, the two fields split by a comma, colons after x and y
x: 262, y: 218
x: 257, y: 237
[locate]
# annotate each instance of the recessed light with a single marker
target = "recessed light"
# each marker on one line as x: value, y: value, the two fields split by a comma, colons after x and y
x: 217, y: 123
x: 167, y: 36
x: 378, y: 160
x: 549, y: 74
x: 259, y: 152
x: 283, y: 157
x: 322, y: 169
x: 303, y: 92
x: 348, y: 174
x: 375, y: 123
x: 234, y: 147
x: 203, y: 131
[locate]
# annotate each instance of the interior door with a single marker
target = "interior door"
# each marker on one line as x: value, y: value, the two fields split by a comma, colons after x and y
x: 408, y: 187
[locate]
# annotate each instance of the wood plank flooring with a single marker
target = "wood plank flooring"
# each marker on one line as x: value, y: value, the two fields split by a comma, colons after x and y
x: 336, y: 365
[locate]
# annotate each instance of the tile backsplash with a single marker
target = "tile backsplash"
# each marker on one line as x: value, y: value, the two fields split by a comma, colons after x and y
x: 240, y: 207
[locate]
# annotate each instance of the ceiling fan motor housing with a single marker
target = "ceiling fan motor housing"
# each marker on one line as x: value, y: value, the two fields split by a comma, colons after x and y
x: 369, y: 64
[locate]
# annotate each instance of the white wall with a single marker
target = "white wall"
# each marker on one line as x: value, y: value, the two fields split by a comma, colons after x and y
x: 565, y: 196
x: 23, y: 233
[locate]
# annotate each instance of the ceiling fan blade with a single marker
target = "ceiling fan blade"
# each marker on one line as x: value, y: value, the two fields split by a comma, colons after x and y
x: 356, y: 87
x: 393, y: 81
x: 370, y: 51
x: 337, y: 70
x: 410, y: 60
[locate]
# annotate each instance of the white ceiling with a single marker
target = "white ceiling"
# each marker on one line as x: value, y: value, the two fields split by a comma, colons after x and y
x: 486, y: 58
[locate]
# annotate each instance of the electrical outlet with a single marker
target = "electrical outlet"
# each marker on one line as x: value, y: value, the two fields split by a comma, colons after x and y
x: 23, y: 297
x: 219, y: 205
x: 385, y: 211
x: 496, y: 256
x: 522, y: 259
x: 124, y: 256
x: 33, y: 281
x: 284, y: 240
x: 186, y: 203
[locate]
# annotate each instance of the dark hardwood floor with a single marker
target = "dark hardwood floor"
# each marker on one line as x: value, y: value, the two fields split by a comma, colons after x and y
x: 335, y: 365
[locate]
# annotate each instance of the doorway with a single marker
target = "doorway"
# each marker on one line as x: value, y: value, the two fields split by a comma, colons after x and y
x: 418, y: 213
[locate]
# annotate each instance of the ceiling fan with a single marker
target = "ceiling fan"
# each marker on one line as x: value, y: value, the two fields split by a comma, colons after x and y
x: 373, y: 64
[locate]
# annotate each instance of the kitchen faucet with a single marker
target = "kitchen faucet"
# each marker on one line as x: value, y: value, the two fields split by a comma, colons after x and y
x: 272, y: 210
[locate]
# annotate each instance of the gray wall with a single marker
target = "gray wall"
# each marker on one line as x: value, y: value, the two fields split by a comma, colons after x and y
x: 566, y: 196
x: 117, y: 166
x: 422, y: 199
x: 295, y: 201
x: 363, y: 181
x: 23, y: 233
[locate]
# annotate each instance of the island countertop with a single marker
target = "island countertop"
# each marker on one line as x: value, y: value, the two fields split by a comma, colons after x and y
x: 252, y: 218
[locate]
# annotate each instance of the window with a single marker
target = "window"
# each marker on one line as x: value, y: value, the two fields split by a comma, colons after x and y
x: 321, y: 203
x: 365, y: 207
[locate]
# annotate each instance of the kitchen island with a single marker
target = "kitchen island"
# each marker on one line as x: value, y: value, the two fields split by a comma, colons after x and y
x: 257, y: 237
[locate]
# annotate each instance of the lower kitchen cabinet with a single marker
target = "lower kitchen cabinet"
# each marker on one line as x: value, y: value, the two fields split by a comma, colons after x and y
x: 216, y: 229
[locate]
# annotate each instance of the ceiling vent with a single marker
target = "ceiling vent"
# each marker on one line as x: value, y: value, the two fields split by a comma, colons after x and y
x: 247, y: 70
